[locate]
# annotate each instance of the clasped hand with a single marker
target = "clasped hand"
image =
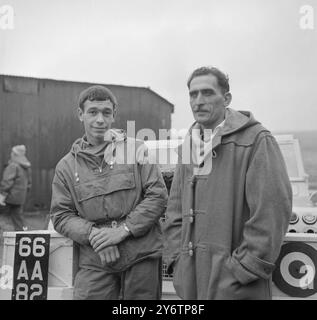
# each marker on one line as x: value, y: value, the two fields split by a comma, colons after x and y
x: 104, y: 241
x: 2, y: 200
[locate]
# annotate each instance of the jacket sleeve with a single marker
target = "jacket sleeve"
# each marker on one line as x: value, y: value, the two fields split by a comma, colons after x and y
x: 7, y: 182
x: 173, y: 223
x: 153, y: 205
x: 269, y: 197
x: 64, y: 215
x: 29, y: 179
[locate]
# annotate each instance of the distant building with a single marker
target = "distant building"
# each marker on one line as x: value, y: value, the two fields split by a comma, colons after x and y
x: 41, y: 113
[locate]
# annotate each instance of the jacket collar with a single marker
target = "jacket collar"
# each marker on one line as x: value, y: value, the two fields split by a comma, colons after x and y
x: 234, y: 122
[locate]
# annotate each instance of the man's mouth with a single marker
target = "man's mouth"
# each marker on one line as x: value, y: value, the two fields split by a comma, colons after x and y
x: 201, y: 111
x: 99, y: 128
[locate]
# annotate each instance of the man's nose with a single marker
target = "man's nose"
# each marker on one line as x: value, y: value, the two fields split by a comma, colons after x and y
x: 200, y: 98
x: 199, y: 102
x: 100, y: 118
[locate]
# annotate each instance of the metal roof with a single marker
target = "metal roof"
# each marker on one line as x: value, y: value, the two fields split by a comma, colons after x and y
x: 90, y: 82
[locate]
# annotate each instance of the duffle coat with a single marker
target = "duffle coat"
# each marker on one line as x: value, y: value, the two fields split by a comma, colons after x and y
x: 224, y: 230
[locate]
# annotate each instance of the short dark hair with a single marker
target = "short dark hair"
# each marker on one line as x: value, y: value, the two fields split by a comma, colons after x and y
x: 96, y: 93
x: 222, y: 78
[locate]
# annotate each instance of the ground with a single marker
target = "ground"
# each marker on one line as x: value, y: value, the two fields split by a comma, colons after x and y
x: 37, y: 220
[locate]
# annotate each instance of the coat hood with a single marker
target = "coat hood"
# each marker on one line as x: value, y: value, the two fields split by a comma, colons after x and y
x: 234, y: 122
x: 18, y: 156
x: 23, y: 162
x: 82, y: 148
x: 96, y: 155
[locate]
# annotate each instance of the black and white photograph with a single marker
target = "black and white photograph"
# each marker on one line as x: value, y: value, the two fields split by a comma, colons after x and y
x: 158, y: 150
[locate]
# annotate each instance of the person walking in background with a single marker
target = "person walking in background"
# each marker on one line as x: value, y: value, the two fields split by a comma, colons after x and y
x: 15, y: 184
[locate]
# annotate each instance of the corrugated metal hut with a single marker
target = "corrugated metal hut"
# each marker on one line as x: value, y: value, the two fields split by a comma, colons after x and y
x: 41, y: 113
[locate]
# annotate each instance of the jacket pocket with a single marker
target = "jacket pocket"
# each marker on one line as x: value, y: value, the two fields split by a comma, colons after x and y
x: 110, y: 196
x: 232, y: 289
x: 137, y: 248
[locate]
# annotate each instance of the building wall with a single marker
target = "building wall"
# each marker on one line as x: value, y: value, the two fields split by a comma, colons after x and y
x: 41, y: 114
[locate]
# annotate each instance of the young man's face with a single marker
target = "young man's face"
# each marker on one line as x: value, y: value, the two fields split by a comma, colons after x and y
x: 207, y: 101
x: 97, y: 117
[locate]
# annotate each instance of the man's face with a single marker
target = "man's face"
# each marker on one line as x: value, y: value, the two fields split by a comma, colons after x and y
x: 97, y: 117
x: 207, y: 100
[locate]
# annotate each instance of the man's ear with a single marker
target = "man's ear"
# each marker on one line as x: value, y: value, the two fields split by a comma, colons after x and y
x: 228, y: 98
x: 80, y: 114
x: 114, y: 114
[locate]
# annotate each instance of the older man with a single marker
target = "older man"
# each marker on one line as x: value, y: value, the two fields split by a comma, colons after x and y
x: 110, y: 207
x: 229, y: 205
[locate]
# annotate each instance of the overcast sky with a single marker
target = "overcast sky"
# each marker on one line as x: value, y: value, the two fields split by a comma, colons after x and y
x: 270, y: 59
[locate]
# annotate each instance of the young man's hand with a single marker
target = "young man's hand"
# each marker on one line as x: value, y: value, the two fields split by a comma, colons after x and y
x: 2, y: 200
x: 109, y: 255
x: 105, y: 237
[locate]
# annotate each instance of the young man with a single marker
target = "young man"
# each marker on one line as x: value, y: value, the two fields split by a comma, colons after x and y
x: 110, y: 207
x: 229, y: 207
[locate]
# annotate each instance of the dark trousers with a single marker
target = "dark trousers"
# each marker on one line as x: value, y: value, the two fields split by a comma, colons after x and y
x: 14, y: 212
x: 142, y: 281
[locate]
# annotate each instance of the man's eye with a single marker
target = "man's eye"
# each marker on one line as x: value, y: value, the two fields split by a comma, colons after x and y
x: 193, y: 94
x: 107, y: 114
x: 207, y: 92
